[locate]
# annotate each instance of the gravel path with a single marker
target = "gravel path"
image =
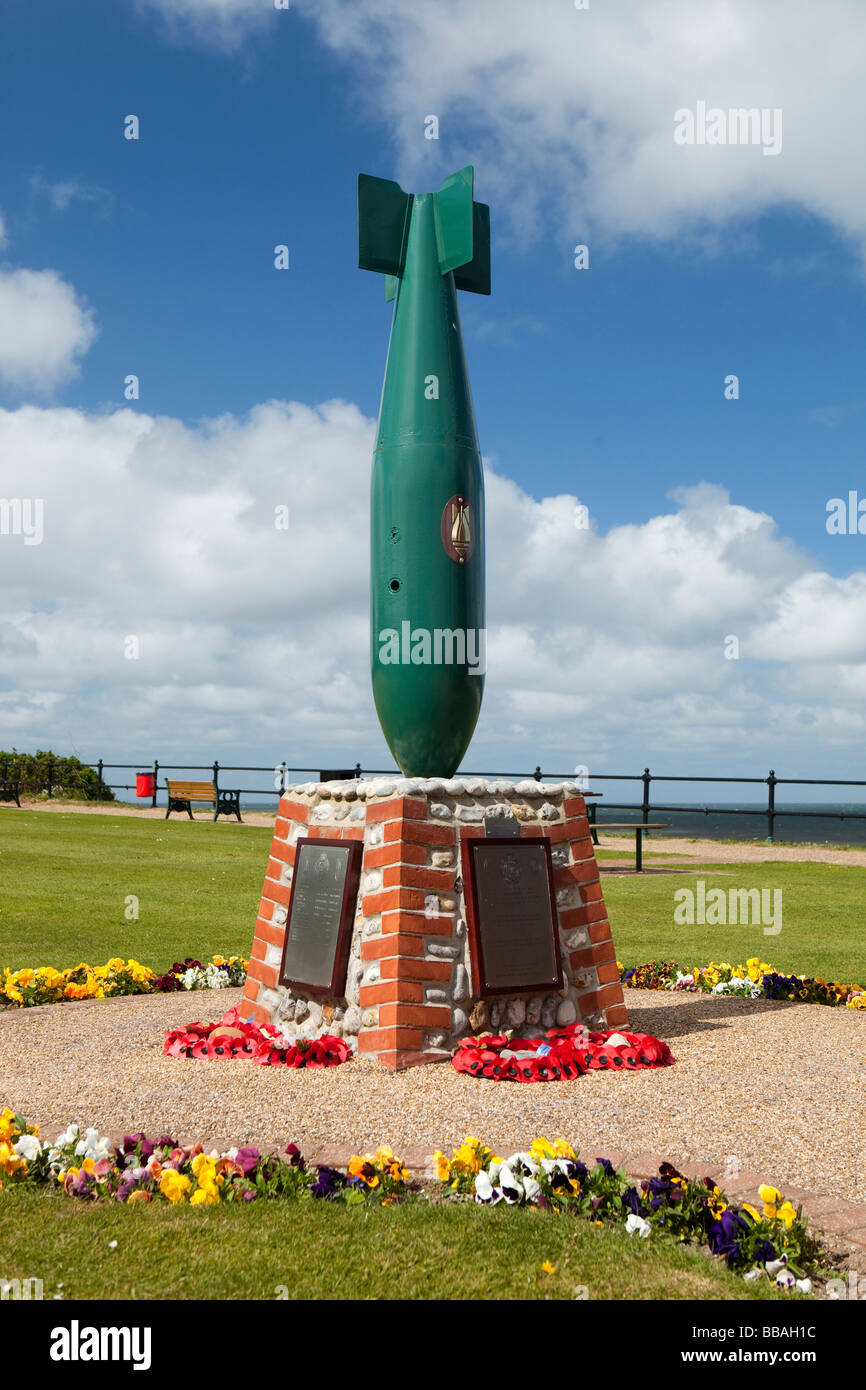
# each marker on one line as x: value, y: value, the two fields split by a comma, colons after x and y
x: 777, y: 1086
x: 659, y: 847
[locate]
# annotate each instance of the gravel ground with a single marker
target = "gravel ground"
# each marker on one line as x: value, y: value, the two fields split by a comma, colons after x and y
x: 778, y: 1086
x: 657, y: 849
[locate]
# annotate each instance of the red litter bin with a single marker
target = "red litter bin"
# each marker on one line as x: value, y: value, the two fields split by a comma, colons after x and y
x: 145, y: 783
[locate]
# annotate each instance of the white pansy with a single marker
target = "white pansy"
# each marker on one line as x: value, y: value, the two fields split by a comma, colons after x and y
x: 754, y: 1273
x: 532, y: 1190
x: 485, y: 1192
x: 784, y: 1279
x: 69, y: 1136
x: 28, y: 1146
x: 804, y: 1285
x: 512, y: 1189
x: 636, y: 1224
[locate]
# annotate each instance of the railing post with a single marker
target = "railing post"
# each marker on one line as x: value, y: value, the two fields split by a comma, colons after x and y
x: 771, y: 806
x: 283, y: 771
x: 216, y: 778
x: 538, y: 774
x: 645, y: 808
x: 357, y: 770
x: 99, y: 780
x: 155, y: 783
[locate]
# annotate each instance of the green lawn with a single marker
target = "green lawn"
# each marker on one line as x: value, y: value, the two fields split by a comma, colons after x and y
x: 66, y: 877
x: 823, y: 917
x: 328, y: 1251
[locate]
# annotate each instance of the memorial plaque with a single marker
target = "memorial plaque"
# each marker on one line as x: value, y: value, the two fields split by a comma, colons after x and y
x: 511, y: 908
x: 321, y: 913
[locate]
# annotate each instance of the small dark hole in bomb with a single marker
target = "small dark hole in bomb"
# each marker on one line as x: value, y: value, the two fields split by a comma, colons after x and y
x: 395, y: 585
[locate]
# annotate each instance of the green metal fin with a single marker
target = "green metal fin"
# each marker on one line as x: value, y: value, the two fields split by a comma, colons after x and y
x: 384, y: 212
x: 391, y: 283
x: 463, y: 233
x: 476, y: 275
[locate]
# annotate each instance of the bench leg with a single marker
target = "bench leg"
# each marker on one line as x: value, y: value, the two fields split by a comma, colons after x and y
x: 638, y: 851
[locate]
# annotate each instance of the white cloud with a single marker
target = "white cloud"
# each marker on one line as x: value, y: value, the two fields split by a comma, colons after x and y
x: 603, y: 649
x: 45, y: 329
x: 569, y: 114
x: 63, y: 192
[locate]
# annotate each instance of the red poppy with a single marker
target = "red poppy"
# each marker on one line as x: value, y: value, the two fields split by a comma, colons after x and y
x: 264, y: 1044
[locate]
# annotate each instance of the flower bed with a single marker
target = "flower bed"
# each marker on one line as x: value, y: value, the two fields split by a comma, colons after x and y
x: 771, y: 1241
x: 262, y: 1043
x: 45, y: 985
x: 754, y: 980
x: 560, y: 1055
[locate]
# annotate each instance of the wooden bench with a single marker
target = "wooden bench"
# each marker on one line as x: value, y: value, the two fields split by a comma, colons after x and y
x: 638, y: 827
x: 182, y: 794
x: 9, y: 791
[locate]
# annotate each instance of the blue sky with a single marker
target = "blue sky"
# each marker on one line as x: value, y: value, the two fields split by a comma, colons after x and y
x: 604, y: 385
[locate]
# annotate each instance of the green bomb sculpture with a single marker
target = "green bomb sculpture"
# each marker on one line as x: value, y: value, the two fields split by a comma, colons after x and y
x: 427, y: 504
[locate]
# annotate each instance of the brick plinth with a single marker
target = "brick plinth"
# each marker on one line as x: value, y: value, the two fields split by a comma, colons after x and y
x: 408, y: 991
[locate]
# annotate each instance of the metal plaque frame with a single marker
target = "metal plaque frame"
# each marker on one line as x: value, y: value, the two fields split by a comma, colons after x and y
x: 481, y: 984
x: 337, y: 985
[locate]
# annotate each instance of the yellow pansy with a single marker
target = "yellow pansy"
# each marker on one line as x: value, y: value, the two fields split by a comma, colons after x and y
x: 442, y: 1166
x: 174, y: 1185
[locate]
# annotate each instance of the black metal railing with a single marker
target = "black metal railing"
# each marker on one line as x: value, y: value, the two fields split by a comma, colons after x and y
x: 646, y: 806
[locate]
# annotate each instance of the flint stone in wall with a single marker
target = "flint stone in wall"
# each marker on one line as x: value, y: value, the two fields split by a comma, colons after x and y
x: 565, y: 1014
x: 461, y: 983
x: 559, y: 857
x: 439, y: 811
x: 548, y: 1011
x: 373, y: 926
x: 273, y: 955
x: 357, y: 812
x: 479, y: 1017
x: 442, y: 858
x: 281, y: 913
x: 443, y: 950
x: 436, y: 996
x: 372, y: 973
x: 470, y: 813
x: 269, y: 999
x: 549, y: 811
x: 285, y: 877
x: 287, y: 1005
x: 515, y: 1013
x: 459, y: 1022
x: 576, y: 938
x: 533, y: 1009
x: 351, y: 1022
x: 377, y: 834
x: 495, y: 1015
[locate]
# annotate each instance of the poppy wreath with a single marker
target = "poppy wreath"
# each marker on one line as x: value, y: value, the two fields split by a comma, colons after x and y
x: 561, y: 1055
x: 233, y: 1036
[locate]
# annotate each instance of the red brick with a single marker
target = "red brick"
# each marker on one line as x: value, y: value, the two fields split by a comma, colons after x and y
x: 582, y: 849
x: 471, y: 832
x: 603, y: 952
x: 322, y: 832
x: 393, y: 899
x: 417, y: 923
x: 599, y: 930
x: 532, y: 832
x: 282, y: 852
x: 591, y: 892
x: 420, y: 831
x: 392, y: 992
x: 352, y: 832
x: 579, y: 960
x: 293, y: 809
x: 413, y: 807
x: 397, y: 853
x: 557, y: 832
x: 408, y: 876
x: 610, y: 994
x: 266, y: 974
x: 608, y: 972
x: 393, y: 944
x: 254, y: 1012
x: 389, y: 1039
x: 277, y: 892
x: 403, y: 1059
x: 585, y: 870
x: 421, y: 1015
x: 574, y: 806
x: 588, y: 1002
x: 571, y: 917
x: 266, y: 908
x: 413, y: 968
x: 281, y: 828
x: 258, y: 949
x: 270, y: 932
x: 617, y: 1015
x: 251, y: 988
